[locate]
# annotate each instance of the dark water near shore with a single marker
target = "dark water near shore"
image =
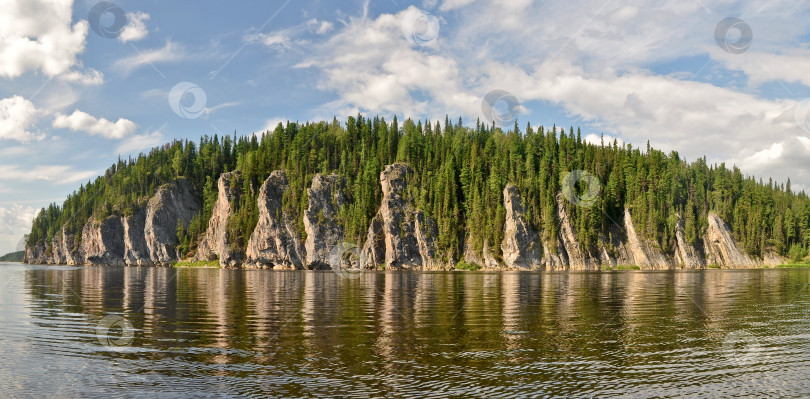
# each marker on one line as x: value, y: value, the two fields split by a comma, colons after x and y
x: 151, y: 332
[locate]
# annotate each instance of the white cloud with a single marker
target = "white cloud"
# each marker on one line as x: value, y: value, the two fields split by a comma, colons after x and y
x: 15, y: 222
x: 58, y: 174
x: 319, y: 27
x: 82, y: 121
x: 135, y: 28
x: 790, y: 66
x: 17, y: 117
x: 448, y: 5
x: 171, y: 52
x: 272, y: 123
x: 138, y: 143
x: 210, y: 110
x: 598, y: 139
x: 587, y: 57
x: 37, y: 35
x: 285, y: 39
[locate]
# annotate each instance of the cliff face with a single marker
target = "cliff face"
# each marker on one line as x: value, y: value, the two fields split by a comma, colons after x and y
x: 36, y: 254
x: 720, y: 247
x: 103, y: 242
x: 136, y: 252
x: 686, y: 255
x: 216, y: 243
x: 577, y: 257
x: 521, y: 245
x: 172, y: 204
x: 275, y: 242
x: 400, y: 234
x: 323, y: 228
x: 639, y: 251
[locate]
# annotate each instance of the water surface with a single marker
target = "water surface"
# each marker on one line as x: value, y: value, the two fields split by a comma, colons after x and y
x: 155, y: 332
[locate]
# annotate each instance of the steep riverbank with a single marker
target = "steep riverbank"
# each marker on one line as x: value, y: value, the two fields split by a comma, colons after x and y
x: 400, y: 236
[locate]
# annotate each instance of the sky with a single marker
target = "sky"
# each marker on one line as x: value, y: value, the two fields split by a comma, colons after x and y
x: 84, y: 82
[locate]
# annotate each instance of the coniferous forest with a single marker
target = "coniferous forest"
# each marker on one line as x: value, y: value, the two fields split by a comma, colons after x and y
x: 460, y: 174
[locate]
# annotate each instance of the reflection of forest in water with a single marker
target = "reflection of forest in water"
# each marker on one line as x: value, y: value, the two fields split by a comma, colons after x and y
x: 558, y: 333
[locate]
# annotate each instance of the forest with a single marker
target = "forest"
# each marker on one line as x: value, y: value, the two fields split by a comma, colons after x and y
x: 460, y: 174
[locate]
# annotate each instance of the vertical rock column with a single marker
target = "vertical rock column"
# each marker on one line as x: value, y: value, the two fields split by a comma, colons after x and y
x: 521, y: 243
x: 172, y: 204
x: 275, y: 242
x: 217, y: 244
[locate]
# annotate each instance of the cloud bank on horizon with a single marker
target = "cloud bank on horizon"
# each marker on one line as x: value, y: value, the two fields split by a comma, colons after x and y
x: 86, y: 82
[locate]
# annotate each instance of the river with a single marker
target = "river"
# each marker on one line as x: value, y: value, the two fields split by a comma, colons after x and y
x: 157, y: 332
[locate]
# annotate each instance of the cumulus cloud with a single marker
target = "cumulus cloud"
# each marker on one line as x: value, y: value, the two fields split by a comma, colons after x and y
x: 171, y: 52
x: 17, y: 118
x: 135, y: 29
x: 594, y: 60
x: 38, y: 35
x: 15, y: 222
x: 82, y: 121
x: 272, y: 123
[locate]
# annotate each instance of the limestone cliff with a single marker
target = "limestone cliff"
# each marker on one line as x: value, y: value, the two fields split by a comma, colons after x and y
x: 578, y: 258
x: 64, y: 250
x: 720, y: 247
x: 275, y: 242
x: 521, y: 246
x: 400, y: 234
x: 37, y: 254
x: 172, y: 204
x: 686, y: 256
x: 483, y: 259
x: 216, y: 243
x: 323, y: 228
x: 136, y: 252
x: 103, y: 242
x: 640, y: 251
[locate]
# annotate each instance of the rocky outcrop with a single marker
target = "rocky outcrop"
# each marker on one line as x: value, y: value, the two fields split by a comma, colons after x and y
x: 521, y: 245
x: 275, y: 242
x: 399, y: 231
x: 173, y: 204
x: 484, y: 259
x: 217, y: 243
x: 578, y: 258
x: 37, y: 254
x: 686, y: 256
x: 69, y: 253
x: 322, y: 225
x: 720, y: 247
x: 641, y: 252
x: 136, y: 252
x: 400, y: 236
x: 103, y: 242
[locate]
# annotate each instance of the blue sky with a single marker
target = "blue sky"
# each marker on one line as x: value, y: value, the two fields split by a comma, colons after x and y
x: 79, y: 87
